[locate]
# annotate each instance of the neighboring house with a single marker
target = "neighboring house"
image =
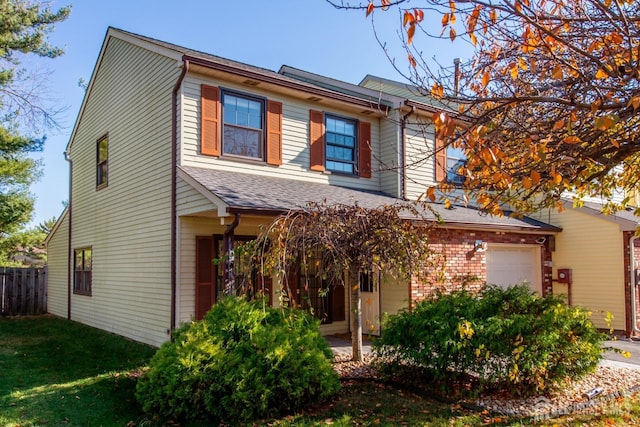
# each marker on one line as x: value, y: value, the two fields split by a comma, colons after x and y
x: 176, y: 155
x: 29, y: 256
x: 602, y: 254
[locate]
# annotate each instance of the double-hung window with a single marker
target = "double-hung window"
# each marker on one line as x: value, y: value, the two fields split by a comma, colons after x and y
x: 341, y: 144
x: 455, y: 160
x: 102, y: 162
x: 243, y: 127
x: 82, y: 264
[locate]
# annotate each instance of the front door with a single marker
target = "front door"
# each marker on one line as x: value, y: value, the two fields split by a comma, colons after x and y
x: 370, y: 294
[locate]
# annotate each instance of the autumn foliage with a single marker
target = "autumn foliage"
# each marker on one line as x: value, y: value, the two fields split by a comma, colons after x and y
x: 547, y: 103
x: 351, y: 240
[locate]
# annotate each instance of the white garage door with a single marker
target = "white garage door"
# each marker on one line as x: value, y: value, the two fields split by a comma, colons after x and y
x: 510, y: 265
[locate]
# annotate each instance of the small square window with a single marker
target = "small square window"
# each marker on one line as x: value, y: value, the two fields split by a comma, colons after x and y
x: 82, y: 266
x: 102, y: 162
x: 243, y: 128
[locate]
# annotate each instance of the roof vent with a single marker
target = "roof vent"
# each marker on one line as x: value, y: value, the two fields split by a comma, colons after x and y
x: 314, y: 99
x: 251, y: 82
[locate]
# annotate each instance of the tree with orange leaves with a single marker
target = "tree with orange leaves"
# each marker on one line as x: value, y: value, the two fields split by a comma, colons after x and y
x: 548, y: 103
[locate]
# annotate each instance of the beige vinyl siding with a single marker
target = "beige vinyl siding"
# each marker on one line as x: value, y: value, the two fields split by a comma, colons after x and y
x: 189, y: 228
x: 420, y: 146
x: 394, y: 295
x: 390, y: 135
x: 189, y: 201
x: 399, y: 89
x: 128, y: 223
x: 593, y: 249
x: 295, y: 140
x: 57, y: 268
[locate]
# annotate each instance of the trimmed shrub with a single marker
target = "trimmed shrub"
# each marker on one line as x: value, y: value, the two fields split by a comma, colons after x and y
x: 243, y: 361
x: 509, y: 338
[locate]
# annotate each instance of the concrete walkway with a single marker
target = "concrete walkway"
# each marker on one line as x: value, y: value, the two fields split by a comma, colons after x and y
x: 341, y: 346
x: 616, y: 359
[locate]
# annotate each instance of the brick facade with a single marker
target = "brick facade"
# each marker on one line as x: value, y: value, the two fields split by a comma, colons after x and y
x: 458, y: 265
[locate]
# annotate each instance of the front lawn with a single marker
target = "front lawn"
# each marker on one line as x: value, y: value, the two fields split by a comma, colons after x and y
x: 54, y: 372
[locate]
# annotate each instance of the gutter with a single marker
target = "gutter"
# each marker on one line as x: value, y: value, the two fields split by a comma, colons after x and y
x: 256, y: 211
x: 174, y: 189
x: 496, y: 227
x: 70, y: 256
x: 298, y: 86
x: 237, y: 210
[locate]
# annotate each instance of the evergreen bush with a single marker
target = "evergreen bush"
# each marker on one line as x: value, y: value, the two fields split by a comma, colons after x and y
x: 507, y: 338
x: 243, y: 361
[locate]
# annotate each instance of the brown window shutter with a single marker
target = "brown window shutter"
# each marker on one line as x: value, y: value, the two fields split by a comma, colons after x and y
x: 274, y: 133
x: 337, y: 303
x: 204, y: 275
x: 441, y: 160
x: 316, y: 140
x: 210, y: 121
x: 365, y: 150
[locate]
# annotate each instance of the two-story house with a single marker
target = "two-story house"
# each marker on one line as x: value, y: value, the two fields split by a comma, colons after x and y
x: 177, y: 155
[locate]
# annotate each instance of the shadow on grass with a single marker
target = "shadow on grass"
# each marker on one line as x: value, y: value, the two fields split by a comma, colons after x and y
x: 60, y: 372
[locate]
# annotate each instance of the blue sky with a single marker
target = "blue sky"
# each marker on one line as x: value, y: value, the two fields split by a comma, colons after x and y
x: 306, y: 34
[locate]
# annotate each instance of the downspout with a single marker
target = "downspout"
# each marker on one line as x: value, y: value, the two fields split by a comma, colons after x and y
x: 228, y: 241
x: 403, y: 150
x: 174, y: 186
x: 70, y: 256
x: 634, y: 284
x: 403, y: 164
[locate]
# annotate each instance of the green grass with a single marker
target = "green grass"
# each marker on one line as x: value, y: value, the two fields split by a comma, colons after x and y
x: 54, y: 372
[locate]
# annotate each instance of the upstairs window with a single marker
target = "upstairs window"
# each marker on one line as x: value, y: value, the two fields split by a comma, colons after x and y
x: 340, y: 140
x: 240, y: 125
x: 102, y: 162
x: 243, y: 127
x: 448, y: 161
x: 455, y: 160
x: 82, y: 265
x: 339, y: 144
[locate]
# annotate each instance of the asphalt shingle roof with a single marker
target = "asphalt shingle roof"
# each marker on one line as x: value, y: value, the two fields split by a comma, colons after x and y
x: 626, y: 218
x: 245, y: 191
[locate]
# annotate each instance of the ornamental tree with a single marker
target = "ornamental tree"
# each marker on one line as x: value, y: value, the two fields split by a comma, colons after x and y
x: 548, y: 101
x: 351, y: 240
x: 24, y: 109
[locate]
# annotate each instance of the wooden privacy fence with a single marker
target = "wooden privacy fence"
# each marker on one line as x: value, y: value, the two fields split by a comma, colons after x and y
x: 23, y: 291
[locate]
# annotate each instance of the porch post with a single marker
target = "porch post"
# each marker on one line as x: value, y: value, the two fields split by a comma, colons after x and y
x: 228, y: 243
